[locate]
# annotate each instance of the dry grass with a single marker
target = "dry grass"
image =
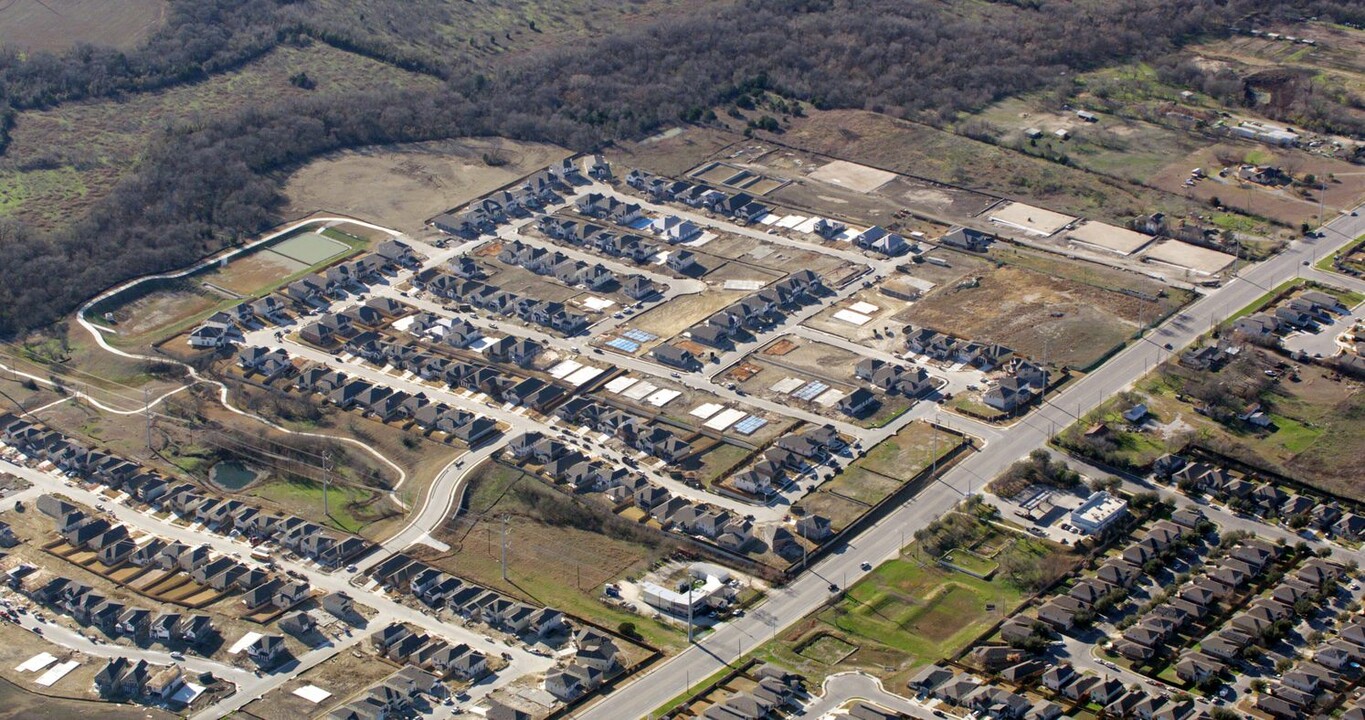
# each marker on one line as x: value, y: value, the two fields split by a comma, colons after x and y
x: 57, y: 25
x: 402, y: 186
x: 61, y: 161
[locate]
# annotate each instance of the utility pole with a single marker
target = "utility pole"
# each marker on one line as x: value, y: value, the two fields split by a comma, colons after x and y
x: 326, y: 481
x: 147, y: 411
x: 504, y: 548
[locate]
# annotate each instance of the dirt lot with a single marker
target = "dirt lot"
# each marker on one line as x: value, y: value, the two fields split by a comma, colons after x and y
x: 674, y: 151
x: 1035, y: 314
x: 809, y: 361
x: 668, y: 319
x: 343, y: 675
x: 55, y: 25
x: 773, y: 257
x: 402, y: 186
x: 942, y: 156
x: 889, y: 309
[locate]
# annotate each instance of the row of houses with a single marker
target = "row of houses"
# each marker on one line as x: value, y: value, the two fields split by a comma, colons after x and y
x: 90, y: 608
x: 188, y: 501
x: 741, y: 206
x: 1116, y: 575
x: 1306, y: 311
x: 567, y: 270
x: 491, y: 298
x: 388, y: 405
x: 139, y: 680
x: 407, y: 645
x: 655, y: 440
x: 758, y: 311
x: 775, y: 693
x: 335, y: 327
x: 599, y: 239
x: 951, y: 349
x: 307, y: 293
x: 408, y: 691
x: 1261, y: 498
x: 543, y: 189
x: 790, y: 455
x: 969, y: 691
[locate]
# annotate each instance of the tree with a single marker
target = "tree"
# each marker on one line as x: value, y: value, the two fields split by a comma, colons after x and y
x: 627, y: 629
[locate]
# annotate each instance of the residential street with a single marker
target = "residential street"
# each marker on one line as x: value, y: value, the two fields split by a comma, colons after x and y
x: 883, y: 540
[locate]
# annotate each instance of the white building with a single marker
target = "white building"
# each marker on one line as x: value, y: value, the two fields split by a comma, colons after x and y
x: 712, y: 585
x: 1098, y: 512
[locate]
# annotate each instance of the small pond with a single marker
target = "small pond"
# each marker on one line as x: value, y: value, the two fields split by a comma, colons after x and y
x: 232, y: 475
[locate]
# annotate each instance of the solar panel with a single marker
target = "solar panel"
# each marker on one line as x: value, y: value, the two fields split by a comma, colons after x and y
x: 812, y: 388
x: 749, y: 425
x: 639, y: 335
x: 623, y: 344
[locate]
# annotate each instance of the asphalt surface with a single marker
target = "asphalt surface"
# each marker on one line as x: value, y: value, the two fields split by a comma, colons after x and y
x: 885, y: 539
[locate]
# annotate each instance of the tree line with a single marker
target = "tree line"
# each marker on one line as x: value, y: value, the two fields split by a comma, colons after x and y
x: 206, y: 185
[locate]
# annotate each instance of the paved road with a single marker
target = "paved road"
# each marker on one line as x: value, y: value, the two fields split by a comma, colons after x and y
x: 884, y: 540
x: 842, y: 689
x: 387, y: 610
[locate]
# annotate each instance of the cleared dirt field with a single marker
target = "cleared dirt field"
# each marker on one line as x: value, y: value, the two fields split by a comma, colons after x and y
x: 674, y: 151
x: 56, y: 25
x: 925, y: 152
x: 1035, y: 314
x: 402, y: 186
x: 342, y: 675
x: 680, y: 313
x: 85, y: 147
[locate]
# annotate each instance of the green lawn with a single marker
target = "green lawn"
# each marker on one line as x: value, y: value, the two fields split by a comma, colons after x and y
x: 969, y: 560
x: 926, y: 612
x: 300, y: 496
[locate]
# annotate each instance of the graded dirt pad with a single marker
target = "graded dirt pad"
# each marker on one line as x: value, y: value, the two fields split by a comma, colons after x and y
x: 1015, y: 308
x: 343, y: 675
x: 1110, y: 237
x: 254, y: 271
x: 852, y: 175
x: 401, y: 186
x: 1198, y: 259
x: 1033, y: 220
x: 56, y: 25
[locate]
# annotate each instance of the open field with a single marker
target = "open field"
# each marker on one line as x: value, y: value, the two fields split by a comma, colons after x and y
x: 89, y: 145
x: 674, y: 151
x: 1120, y: 147
x: 1042, y: 316
x: 908, y: 451
x: 904, y: 615
x: 56, y: 25
x: 923, y: 151
x: 560, y: 552
x: 668, y: 319
x: 401, y: 186
x: 1316, y: 437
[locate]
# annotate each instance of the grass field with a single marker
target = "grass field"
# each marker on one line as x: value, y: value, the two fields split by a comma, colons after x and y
x: 560, y: 553
x: 900, y: 617
x: 56, y: 25
x: 155, y: 311
x: 82, y: 149
x: 908, y: 451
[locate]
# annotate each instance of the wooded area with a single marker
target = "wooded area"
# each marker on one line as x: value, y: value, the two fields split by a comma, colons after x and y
x: 208, y: 184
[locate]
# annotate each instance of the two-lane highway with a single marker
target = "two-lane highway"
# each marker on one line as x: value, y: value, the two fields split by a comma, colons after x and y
x: 884, y: 540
